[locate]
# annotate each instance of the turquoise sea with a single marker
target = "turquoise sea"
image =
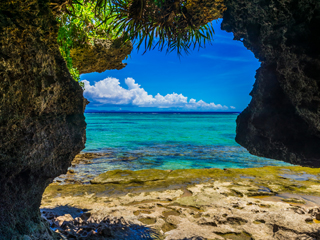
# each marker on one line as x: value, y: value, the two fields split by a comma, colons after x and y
x: 164, y: 141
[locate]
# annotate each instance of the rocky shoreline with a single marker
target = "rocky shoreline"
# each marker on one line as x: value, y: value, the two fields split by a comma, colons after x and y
x: 254, y: 203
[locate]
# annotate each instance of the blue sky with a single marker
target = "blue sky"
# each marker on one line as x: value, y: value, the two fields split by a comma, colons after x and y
x: 216, y: 78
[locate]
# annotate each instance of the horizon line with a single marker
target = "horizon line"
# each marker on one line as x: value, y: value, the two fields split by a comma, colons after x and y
x: 124, y: 111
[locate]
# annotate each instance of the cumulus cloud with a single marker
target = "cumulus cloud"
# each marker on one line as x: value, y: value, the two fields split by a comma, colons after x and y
x: 109, y: 92
x: 232, y: 107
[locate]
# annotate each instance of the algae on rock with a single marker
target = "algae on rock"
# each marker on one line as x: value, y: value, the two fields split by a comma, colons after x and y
x: 265, y: 181
x: 209, y: 210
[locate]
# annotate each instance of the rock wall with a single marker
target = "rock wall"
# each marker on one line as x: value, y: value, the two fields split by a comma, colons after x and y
x: 283, y: 119
x: 101, y: 56
x: 42, y: 126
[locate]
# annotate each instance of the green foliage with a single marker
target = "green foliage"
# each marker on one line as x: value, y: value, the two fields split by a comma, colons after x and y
x: 166, y: 24
x: 83, y: 24
x: 79, y: 25
x: 158, y: 23
x: 65, y: 44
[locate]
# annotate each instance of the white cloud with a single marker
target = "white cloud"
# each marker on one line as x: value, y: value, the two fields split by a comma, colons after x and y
x: 109, y: 92
x: 232, y: 107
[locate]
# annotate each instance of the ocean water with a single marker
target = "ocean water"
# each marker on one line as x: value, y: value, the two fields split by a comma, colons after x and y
x: 165, y: 141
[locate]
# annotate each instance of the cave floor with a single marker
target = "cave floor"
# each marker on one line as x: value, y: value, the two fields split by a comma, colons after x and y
x: 261, y: 203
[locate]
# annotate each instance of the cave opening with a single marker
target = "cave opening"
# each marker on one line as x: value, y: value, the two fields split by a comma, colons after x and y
x: 278, y: 113
x: 140, y: 117
x: 43, y: 128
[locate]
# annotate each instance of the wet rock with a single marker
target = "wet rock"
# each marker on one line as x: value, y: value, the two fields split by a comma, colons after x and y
x: 235, y: 235
x: 300, y: 211
x: 48, y: 215
x: 136, y: 213
x: 315, y: 213
x: 148, y: 220
x: 236, y: 221
x: 174, y: 220
x: 170, y: 212
x: 259, y: 221
x: 85, y: 216
x: 85, y: 158
x: 105, y: 232
x: 294, y: 200
x: 62, y: 219
x: 126, y: 176
x: 252, y: 191
x: 208, y: 222
x: 166, y: 227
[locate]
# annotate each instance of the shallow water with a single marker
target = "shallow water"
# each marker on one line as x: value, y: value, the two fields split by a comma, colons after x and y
x: 169, y: 141
x: 299, y: 177
x: 134, y: 130
x: 137, y: 141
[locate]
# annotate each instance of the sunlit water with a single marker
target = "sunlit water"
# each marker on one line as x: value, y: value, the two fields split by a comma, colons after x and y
x: 165, y: 141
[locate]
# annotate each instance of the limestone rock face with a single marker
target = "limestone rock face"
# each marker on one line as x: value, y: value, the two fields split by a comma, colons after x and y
x: 42, y: 125
x: 283, y: 119
x: 100, y: 56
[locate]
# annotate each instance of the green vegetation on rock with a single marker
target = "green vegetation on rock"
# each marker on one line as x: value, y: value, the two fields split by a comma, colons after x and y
x: 174, y: 25
x: 127, y: 176
x: 212, y: 203
x: 265, y: 181
x: 80, y: 26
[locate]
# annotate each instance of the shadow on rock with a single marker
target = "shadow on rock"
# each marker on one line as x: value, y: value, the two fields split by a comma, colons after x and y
x: 50, y: 213
x: 75, y: 223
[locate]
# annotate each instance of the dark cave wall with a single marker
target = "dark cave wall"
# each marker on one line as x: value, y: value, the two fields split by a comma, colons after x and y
x: 283, y: 119
x: 42, y: 126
